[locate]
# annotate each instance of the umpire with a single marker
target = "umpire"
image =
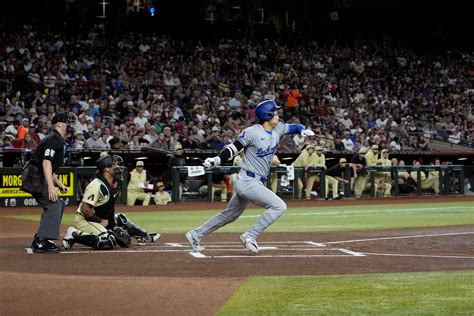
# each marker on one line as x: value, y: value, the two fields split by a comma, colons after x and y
x: 48, y: 158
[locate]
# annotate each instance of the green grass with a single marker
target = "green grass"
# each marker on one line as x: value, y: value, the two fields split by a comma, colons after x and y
x: 430, y: 293
x: 315, y: 219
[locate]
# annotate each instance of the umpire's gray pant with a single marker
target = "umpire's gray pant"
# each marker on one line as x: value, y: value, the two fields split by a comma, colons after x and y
x: 50, y: 222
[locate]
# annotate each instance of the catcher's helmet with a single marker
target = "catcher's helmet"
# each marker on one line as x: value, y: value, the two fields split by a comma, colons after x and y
x: 104, y: 162
x: 265, y: 110
x: 114, y: 161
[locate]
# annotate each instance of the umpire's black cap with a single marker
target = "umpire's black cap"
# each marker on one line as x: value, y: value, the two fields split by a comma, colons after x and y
x: 59, y: 117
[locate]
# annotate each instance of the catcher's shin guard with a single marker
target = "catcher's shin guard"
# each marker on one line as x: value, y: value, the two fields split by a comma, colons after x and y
x: 132, y: 229
x: 106, y: 241
x: 103, y: 241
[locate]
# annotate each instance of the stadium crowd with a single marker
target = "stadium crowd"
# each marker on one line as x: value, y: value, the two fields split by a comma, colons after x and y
x: 141, y: 90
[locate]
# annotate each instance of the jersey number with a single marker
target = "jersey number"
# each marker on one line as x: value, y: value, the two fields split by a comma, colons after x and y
x: 49, y: 152
x: 91, y: 197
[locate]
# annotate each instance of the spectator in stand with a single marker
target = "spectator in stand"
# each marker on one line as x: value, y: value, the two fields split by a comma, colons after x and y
x: 347, y: 142
x: 175, y: 140
x: 134, y: 144
x: 23, y: 129
x: 161, y: 142
x: 140, y: 119
x: 117, y: 142
x: 79, y: 142
x: 298, y: 140
x: 346, y: 121
x: 151, y: 135
x: 395, y: 145
x: 44, y: 131
x: 83, y: 125
x: 423, y: 144
x: 213, y: 139
x: 293, y: 98
x: 33, y: 134
x: 94, y: 142
x: 338, y: 144
x: 7, y: 142
x: 29, y: 143
x: 188, y: 142
x: 435, y: 94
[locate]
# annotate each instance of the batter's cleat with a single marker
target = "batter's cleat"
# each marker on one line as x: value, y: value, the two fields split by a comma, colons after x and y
x: 249, y: 242
x: 44, y: 246
x: 68, y: 240
x: 151, y: 237
x: 194, y: 241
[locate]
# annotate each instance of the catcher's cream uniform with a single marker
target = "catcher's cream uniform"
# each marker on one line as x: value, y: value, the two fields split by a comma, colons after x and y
x: 100, y: 196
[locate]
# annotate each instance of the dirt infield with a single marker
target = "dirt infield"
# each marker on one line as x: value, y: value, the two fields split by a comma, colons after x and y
x: 168, y: 279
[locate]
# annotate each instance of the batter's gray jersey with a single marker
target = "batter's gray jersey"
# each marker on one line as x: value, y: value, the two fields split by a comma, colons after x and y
x: 260, y: 146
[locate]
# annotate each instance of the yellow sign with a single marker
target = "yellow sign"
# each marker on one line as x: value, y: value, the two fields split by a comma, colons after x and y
x: 11, y: 183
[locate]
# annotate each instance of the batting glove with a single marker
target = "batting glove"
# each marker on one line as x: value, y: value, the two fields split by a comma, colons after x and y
x: 212, y: 162
x: 307, y: 132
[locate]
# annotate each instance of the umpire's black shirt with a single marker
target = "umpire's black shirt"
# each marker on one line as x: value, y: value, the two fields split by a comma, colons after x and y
x: 51, y: 148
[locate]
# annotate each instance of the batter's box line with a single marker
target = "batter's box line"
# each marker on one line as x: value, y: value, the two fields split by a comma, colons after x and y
x: 200, y: 255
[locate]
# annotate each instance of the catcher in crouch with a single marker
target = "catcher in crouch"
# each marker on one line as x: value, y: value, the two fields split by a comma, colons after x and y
x: 96, y: 224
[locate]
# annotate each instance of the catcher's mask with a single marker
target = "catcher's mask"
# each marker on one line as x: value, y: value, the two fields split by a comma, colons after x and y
x: 114, y: 161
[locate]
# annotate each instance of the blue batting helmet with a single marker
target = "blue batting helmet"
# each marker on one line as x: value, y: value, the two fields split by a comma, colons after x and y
x: 266, y: 110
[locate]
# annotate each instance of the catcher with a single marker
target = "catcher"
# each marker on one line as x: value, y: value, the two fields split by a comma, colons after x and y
x: 96, y: 224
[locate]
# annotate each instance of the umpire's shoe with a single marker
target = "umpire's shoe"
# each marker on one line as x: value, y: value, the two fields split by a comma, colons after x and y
x: 44, y: 246
x: 194, y: 241
x: 249, y: 242
x: 68, y: 240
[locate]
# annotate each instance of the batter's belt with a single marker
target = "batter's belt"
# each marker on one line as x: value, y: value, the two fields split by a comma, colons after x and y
x: 253, y: 175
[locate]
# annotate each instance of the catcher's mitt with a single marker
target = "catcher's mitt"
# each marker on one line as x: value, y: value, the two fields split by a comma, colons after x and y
x: 122, y: 237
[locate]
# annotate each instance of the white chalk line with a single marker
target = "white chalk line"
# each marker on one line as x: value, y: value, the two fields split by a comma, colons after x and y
x: 396, y: 237
x: 352, y: 253
x: 359, y: 212
x: 413, y: 255
x: 260, y: 256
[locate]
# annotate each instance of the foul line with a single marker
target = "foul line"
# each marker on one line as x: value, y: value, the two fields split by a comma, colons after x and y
x: 397, y: 237
x: 410, y: 255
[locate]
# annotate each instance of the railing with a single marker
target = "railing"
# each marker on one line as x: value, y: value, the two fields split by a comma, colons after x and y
x: 446, y: 173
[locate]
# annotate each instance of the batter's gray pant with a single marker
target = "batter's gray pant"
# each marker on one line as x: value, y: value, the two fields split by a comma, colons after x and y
x: 50, y: 222
x: 247, y: 189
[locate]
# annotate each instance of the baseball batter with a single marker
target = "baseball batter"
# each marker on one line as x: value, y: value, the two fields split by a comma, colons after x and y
x: 260, y: 142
